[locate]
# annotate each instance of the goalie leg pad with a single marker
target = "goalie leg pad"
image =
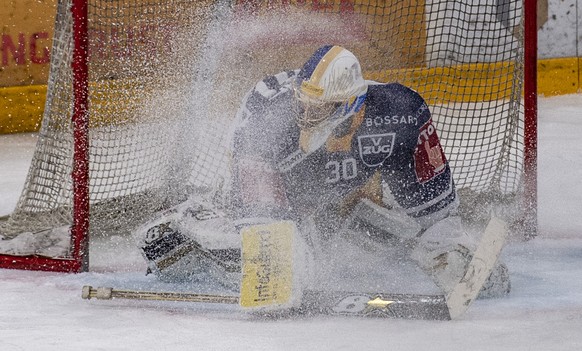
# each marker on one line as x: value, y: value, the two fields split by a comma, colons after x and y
x: 444, y: 264
x: 276, y: 267
x: 445, y: 250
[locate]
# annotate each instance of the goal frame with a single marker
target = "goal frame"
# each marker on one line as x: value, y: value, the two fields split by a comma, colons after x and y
x: 79, y: 261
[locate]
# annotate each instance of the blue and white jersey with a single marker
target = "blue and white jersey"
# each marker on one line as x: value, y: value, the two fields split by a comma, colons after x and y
x: 392, y: 139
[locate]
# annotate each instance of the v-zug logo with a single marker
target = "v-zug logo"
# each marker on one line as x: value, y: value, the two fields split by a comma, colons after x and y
x: 374, y: 149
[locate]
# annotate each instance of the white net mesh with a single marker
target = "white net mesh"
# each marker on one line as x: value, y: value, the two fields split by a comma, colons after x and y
x: 166, y: 78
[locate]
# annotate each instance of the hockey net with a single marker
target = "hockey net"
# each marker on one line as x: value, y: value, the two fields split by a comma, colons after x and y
x: 165, y: 79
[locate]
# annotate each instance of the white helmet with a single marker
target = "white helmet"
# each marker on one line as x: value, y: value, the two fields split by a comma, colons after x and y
x: 330, y: 83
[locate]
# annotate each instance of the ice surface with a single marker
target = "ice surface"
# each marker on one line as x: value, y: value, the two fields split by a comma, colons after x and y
x: 44, y: 311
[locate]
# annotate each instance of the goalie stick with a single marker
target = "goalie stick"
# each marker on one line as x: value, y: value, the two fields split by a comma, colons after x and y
x: 408, y: 306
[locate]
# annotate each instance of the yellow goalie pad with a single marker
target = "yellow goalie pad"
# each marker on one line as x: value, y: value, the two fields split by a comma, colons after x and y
x: 267, y: 265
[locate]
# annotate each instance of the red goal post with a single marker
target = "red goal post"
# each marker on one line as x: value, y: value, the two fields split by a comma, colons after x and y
x: 530, y: 102
x: 419, y: 43
x: 77, y: 261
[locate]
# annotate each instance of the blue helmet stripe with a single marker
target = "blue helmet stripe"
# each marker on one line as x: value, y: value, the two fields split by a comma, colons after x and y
x: 311, y: 64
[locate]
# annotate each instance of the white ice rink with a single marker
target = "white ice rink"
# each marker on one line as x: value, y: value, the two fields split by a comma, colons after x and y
x: 44, y: 311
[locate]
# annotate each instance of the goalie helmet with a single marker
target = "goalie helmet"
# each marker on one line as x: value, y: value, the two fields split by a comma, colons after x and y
x: 329, y: 85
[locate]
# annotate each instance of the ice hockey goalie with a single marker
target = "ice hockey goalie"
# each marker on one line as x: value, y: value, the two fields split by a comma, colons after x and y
x: 342, y: 157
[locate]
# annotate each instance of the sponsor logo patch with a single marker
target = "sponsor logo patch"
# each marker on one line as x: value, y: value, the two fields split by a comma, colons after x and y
x: 429, y: 157
x: 374, y: 149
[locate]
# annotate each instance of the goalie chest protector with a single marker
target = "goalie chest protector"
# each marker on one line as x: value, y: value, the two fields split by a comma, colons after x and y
x: 394, y: 134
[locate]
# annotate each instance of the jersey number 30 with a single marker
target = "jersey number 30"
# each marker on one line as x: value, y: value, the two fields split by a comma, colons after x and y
x: 345, y: 170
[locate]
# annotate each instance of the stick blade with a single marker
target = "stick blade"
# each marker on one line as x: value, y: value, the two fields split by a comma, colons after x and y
x: 381, y: 305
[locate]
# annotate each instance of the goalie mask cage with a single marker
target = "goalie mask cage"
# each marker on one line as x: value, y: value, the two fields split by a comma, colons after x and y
x: 141, y: 94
